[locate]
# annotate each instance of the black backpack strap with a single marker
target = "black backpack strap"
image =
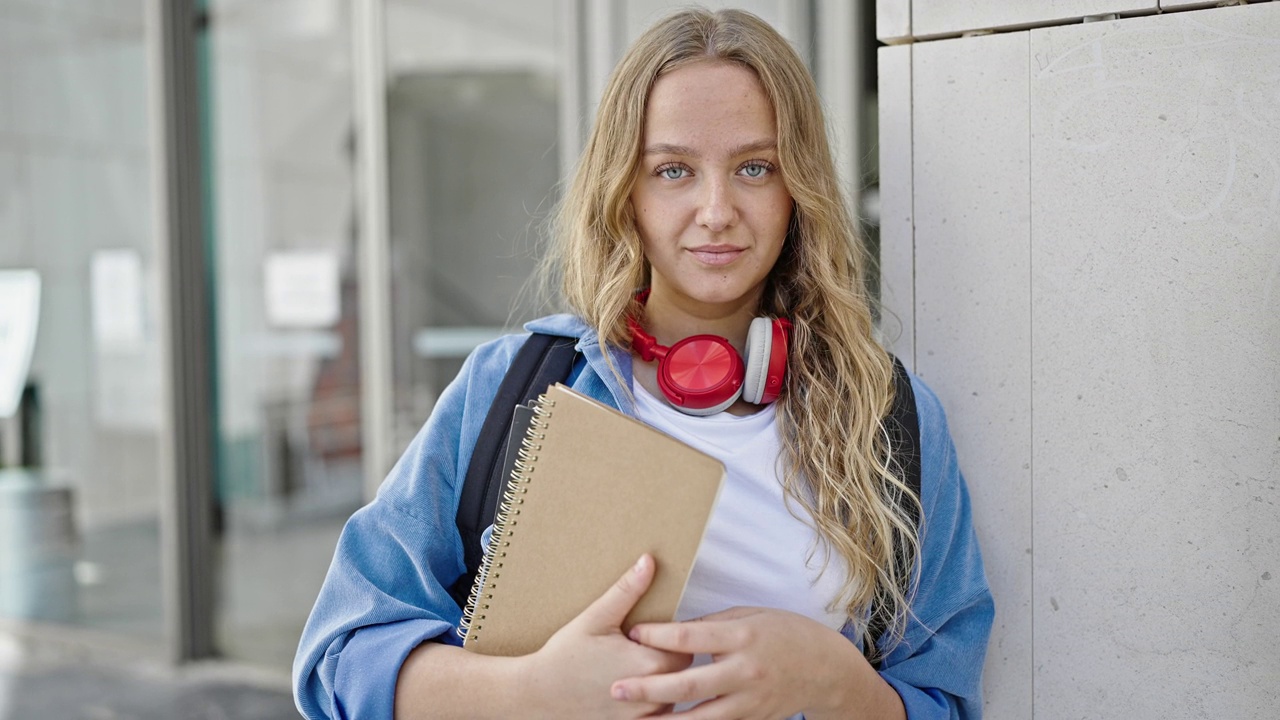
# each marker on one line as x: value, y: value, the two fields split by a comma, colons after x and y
x: 903, y: 426
x: 542, y: 361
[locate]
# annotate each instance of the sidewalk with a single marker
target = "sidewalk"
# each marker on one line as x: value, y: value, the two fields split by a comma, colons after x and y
x: 60, y: 681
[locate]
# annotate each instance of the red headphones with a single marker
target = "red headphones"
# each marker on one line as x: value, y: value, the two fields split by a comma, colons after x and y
x: 703, y: 374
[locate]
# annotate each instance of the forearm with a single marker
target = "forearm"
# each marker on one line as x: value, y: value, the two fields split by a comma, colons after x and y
x: 856, y: 690
x: 569, y: 677
x: 443, y: 682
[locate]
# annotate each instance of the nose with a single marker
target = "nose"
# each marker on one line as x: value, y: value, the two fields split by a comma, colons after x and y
x: 716, y: 210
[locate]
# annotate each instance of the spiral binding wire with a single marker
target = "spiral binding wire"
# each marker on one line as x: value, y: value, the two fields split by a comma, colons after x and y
x: 505, y: 521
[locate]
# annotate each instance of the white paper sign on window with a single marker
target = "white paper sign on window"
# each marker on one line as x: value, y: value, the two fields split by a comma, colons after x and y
x: 115, y: 282
x: 302, y: 289
x: 19, y: 316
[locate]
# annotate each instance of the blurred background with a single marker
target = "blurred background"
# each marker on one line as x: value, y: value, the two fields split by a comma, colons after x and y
x: 243, y: 246
x: 245, y: 243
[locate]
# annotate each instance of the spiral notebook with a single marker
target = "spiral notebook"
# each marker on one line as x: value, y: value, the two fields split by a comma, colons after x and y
x: 591, y: 492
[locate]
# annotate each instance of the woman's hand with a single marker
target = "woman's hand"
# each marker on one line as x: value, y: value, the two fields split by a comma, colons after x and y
x: 573, y: 672
x: 766, y: 664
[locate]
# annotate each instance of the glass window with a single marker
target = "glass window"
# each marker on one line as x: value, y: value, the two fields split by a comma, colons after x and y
x: 280, y: 109
x: 80, y: 500
x: 473, y: 158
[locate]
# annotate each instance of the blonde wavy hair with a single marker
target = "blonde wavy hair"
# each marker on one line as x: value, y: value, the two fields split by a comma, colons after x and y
x: 839, y: 387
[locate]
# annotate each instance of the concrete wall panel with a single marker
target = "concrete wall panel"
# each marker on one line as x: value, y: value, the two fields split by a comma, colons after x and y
x: 949, y: 17
x: 893, y: 20
x: 1185, y: 4
x: 1156, y: 345
x: 897, y: 225
x: 972, y: 318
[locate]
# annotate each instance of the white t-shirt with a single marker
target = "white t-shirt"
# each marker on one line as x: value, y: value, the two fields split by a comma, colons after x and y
x: 756, y: 552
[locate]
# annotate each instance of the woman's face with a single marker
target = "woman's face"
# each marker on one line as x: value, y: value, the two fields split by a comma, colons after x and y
x: 709, y: 200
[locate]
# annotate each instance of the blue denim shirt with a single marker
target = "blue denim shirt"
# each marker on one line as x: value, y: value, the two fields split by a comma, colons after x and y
x: 387, y: 589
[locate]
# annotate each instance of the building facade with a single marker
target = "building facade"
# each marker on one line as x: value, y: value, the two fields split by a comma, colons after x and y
x: 265, y: 235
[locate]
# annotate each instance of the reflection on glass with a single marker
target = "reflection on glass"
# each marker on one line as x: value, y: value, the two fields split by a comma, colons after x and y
x: 80, y: 497
x: 280, y: 111
x: 472, y: 114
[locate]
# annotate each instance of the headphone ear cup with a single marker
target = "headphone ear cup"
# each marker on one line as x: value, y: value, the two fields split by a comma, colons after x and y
x: 701, y: 374
x: 759, y: 352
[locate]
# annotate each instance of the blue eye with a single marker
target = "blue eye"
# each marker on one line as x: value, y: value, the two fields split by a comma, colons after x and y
x: 672, y: 172
x: 755, y: 170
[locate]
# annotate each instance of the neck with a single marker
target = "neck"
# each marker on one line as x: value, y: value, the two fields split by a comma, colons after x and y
x: 670, y: 319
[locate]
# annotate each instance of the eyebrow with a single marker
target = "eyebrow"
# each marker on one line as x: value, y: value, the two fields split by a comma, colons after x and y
x: 667, y: 149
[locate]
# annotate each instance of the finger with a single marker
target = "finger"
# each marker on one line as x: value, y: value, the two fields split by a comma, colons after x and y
x: 611, y: 608
x: 733, y: 613
x: 692, y: 637
x: 732, y: 706
x: 697, y: 683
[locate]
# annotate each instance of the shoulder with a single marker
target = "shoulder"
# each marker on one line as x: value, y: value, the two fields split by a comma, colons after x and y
x: 491, y: 359
x: 487, y: 365
x: 929, y: 410
x: 941, y: 482
x: 951, y: 561
x: 562, y: 324
x: 934, y: 437
x: 442, y: 448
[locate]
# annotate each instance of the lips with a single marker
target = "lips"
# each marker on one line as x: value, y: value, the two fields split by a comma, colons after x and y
x: 717, y: 254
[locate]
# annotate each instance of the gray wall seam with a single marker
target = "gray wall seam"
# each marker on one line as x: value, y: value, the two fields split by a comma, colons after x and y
x: 1022, y: 27
x: 1031, y: 356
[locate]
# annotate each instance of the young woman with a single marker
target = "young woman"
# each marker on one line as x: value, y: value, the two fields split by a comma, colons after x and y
x: 708, y: 184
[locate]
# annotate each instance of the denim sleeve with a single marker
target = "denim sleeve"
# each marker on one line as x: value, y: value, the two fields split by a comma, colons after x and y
x: 937, y: 669
x: 386, y: 590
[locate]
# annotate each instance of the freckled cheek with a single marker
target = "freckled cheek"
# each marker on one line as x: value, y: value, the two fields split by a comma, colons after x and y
x: 772, y: 223
x: 658, y: 226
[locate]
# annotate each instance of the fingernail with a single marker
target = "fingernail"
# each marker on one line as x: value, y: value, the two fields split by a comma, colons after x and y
x: 619, y: 692
x: 639, y: 566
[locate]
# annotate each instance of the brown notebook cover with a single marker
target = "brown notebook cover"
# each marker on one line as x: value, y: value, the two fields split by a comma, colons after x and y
x: 593, y: 491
